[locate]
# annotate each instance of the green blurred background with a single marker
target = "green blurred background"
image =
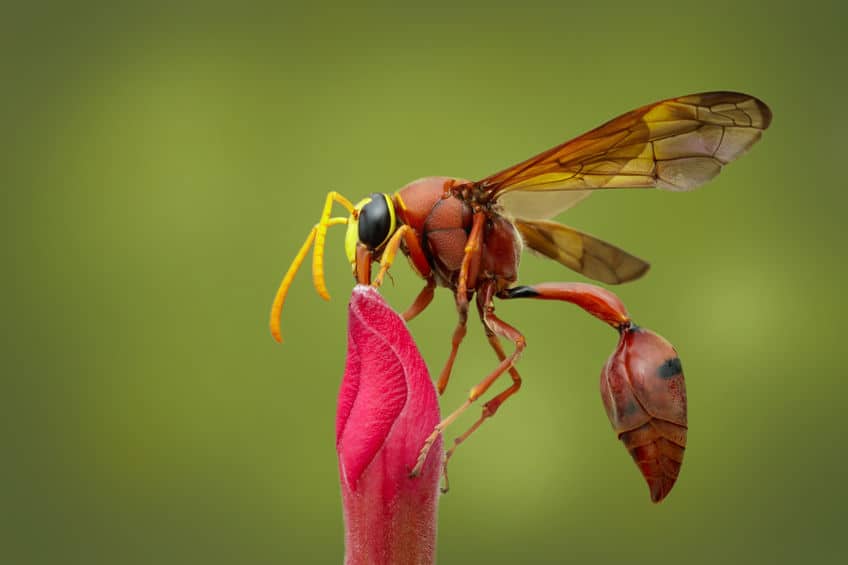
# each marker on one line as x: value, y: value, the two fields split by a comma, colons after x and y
x: 161, y: 164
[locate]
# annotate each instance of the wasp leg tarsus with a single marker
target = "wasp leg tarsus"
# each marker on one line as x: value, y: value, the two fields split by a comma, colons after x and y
x: 389, y: 254
x: 428, y: 443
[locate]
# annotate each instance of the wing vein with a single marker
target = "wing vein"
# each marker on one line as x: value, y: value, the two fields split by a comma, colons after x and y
x: 674, y: 144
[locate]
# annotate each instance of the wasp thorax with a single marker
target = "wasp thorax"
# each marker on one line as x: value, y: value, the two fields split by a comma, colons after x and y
x: 376, y: 221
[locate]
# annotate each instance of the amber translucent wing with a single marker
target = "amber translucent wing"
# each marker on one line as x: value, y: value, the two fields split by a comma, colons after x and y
x: 581, y: 252
x: 676, y: 144
x: 538, y: 204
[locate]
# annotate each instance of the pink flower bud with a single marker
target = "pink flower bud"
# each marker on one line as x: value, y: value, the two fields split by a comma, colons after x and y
x: 386, y: 409
x: 645, y: 398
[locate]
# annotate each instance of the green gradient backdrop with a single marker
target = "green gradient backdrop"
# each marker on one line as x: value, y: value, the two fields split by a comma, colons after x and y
x: 161, y: 165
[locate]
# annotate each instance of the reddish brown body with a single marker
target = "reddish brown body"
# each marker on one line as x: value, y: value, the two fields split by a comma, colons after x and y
x: 443, y: 225
x: 468, y: 236
x: 645, y: 398
x: 642, y: 383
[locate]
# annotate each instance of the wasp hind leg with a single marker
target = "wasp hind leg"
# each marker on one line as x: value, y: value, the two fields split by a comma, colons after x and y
x: 495, y: 327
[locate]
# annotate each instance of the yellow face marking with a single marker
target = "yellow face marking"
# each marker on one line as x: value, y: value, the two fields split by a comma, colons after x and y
x: 352, y: 234
x: 392, y: 218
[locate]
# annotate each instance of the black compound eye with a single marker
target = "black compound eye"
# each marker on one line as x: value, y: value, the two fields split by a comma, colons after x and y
x: 375, y: 222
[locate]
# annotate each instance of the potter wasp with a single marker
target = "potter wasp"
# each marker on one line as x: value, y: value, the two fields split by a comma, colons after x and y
x: 468, y: 236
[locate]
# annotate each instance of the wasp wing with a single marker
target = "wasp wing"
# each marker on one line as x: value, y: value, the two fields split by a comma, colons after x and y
x: 539, y: 205
x: 676, y: 144
x: 581, y: 252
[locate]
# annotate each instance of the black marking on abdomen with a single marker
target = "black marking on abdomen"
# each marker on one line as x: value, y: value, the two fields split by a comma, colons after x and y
x: 670, y: 368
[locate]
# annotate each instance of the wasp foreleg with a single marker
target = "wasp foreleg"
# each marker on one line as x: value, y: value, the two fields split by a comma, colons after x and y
x: 389, y: 252
x: 421, y: 301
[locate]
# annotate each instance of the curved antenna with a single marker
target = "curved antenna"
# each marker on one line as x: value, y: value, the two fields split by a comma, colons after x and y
x: 316, y: 235
x: 320, y: 236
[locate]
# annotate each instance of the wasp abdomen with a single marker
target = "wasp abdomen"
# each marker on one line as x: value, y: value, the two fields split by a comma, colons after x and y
x: 644, y: 395
x: 658, y: 457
